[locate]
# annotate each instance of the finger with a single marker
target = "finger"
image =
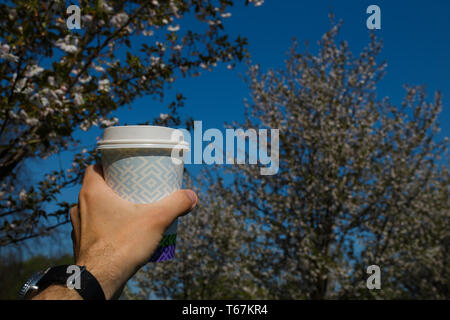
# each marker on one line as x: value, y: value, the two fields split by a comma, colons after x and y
x: 93, y: 176
x: 95, y: 186
x: 76, y: 229
x: 117, y: 294
x: 76, y: 222
x: 74, y: 245
x: 174, y: 205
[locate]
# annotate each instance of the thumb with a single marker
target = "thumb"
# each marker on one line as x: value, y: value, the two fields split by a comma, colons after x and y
x: 174, y: 205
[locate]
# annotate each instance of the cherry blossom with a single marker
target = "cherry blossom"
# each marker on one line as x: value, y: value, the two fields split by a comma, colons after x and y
x: 119, y: 19
x: 362, y: 181
x: 173, y: 28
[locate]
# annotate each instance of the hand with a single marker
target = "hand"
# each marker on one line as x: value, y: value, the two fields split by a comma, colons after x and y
x: 113, y: 237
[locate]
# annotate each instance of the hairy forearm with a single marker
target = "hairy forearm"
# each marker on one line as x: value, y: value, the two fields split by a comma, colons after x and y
x: 111, y: 286
x: 57, y: 292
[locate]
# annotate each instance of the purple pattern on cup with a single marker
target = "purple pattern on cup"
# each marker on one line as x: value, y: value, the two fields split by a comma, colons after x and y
x: 163, y: 254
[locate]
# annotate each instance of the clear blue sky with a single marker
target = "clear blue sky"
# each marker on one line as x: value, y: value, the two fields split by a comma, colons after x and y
x: 416, y: 36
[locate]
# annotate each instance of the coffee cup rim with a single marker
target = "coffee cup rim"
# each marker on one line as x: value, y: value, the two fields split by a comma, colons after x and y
x: 113, y: 140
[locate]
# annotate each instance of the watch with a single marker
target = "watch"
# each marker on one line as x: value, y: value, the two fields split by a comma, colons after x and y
x: 80, y: 279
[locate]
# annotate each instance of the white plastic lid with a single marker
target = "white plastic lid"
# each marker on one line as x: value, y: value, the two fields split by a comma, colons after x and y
x: 142, y: 137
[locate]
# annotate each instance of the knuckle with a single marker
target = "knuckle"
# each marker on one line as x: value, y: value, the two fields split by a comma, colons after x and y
x: 82, y: 194
x: 87, y: 173
x: 183, y: 197
x: 73, y: 213
x: 85, y: 195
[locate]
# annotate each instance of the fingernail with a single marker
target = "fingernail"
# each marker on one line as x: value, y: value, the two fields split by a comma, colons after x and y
x: 193, y: 197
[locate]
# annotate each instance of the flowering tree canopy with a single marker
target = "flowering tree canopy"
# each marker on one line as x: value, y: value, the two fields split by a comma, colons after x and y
x: 54, y: 81
x: 361, y: 182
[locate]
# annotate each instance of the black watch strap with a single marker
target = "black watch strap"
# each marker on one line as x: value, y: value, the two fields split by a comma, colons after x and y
x: 89, y: 288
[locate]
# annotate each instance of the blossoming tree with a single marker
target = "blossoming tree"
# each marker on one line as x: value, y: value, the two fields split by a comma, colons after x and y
x: 54, y: 81
x: 362, y: 182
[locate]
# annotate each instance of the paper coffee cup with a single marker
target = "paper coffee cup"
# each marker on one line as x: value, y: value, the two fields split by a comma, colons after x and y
x: 143, y: 164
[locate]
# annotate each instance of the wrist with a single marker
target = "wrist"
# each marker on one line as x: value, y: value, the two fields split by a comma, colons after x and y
x: 105, y: 278
x: 57, y: 292
x: 104, y: 264
x: 65, y: 282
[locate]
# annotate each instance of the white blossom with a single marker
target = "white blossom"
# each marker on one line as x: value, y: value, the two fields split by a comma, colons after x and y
x: 85, y: 125
x: 108, y: 122
x: 68, y: 44
x: 173, y: 28
x: 119, y: 19
x: 32, y: 122
x: 6, y: 54
x: 257, y: 3
x: 4, y: 48
x: 20, y: 84
x: 47, y: 111
x: 214, y: 22
x: 22, y: 195
x: 78, y: 99
x: 104, y: 85
x: 12, y: 114
x: 147, y: 33
x: 85, y: 79
x: 86, y: 18
x: 99, y: 69
x: 51, y: 81
x: 34, y: 70
x: 106, y: 6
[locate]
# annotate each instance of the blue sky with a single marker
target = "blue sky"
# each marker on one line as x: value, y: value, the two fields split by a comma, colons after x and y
x: 416, y: 37
x: 416, y: 41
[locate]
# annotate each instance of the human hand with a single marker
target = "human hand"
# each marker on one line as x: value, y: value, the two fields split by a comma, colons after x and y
x: 113, y: 237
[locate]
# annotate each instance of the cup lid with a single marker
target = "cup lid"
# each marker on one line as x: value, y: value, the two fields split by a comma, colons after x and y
x: 142, y: 137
